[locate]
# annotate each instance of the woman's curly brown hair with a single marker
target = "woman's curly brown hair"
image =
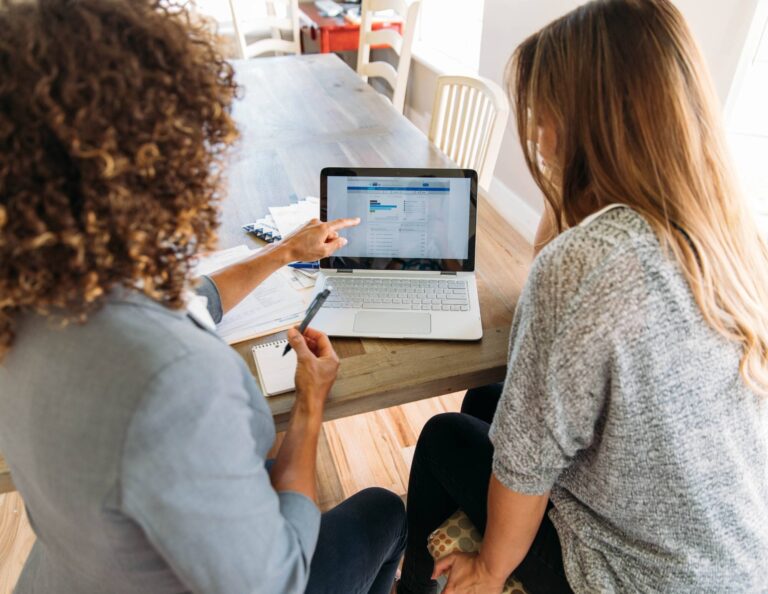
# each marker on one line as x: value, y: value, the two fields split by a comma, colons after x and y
x: 114, y: 119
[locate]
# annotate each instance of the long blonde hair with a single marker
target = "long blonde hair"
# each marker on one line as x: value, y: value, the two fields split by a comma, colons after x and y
x: 638, y: 123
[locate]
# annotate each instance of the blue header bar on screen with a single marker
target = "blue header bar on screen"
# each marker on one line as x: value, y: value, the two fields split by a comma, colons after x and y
x: 401, y: 185
x: 396, y: 189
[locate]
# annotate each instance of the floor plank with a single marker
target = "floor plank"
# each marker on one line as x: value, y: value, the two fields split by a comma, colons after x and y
x: 375, y: 449
x: 16, y: 540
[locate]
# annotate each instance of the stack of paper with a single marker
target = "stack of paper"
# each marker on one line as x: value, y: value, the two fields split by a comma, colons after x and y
x: 213, y: 261
x: 299, y: 278
x: 283, y: 220
x: 273, y: 305
x: 289, y: 218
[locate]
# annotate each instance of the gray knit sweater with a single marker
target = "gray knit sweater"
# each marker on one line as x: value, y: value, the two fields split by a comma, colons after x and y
x: 623, y: 402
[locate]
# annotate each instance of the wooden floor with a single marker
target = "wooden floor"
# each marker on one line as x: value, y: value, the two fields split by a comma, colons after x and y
x: 374, y: 449
x: 16, y: 539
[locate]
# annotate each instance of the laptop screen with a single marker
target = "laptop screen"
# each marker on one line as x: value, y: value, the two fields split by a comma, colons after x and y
x: 410, y: 219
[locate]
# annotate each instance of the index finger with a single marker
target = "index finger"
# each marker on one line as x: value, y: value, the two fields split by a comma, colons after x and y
x: 343, y: 223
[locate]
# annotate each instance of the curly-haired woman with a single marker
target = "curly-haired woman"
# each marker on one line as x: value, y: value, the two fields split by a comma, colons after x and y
x: 627, y: 450
x: 135, y: 435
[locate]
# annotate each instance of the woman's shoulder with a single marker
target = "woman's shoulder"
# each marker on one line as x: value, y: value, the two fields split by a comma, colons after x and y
x: 612, y: 240
x: 126, y: 342
x: 603, y: 265
x: 166, y: 334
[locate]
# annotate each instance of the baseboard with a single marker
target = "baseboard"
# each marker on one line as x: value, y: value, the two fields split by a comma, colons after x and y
x: 517, y: 212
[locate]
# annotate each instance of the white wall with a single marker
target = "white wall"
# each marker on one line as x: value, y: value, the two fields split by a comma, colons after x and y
x: 721, y: 26
x: 420, y: 94
x: 722, y: 29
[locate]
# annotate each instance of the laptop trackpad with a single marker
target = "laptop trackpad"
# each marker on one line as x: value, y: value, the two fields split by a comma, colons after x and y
x: 391, y: 322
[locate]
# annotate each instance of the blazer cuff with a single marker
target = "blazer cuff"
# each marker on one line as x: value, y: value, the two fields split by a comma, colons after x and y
x: 302, y: 513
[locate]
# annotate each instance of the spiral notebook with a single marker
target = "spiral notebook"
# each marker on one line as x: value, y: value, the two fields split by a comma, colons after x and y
x: 275, y: 372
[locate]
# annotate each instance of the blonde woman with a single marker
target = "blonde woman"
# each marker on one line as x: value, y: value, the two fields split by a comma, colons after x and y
x: 629, y: 449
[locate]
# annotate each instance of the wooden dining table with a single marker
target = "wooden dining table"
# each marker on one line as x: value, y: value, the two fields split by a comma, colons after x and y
x: 299, y: 114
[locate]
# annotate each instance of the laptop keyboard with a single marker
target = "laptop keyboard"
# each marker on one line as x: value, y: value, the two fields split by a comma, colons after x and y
x: 386, y: 293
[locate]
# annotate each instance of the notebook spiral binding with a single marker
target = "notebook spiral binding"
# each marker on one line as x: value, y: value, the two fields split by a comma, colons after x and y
x: 276, y: 342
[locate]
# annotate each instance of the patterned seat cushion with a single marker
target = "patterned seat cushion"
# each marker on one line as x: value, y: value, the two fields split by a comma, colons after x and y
x: 458, y: 534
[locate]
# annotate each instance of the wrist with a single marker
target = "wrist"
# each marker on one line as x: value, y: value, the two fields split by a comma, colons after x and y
x: 283, y: 253
x: 497, y: 574
x: 308, y: 408
x: 273, y: 256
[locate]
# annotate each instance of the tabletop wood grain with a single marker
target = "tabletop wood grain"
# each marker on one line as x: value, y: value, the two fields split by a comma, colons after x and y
x: 300, y: 114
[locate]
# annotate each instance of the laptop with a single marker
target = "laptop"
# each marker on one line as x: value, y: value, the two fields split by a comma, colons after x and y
x: 408, y: 269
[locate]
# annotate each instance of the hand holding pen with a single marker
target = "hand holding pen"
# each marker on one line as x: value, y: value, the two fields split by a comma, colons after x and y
x: 316, y: 367
x: 314, y: 307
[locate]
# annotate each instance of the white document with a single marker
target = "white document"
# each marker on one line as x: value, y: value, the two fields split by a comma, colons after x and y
x: 273, y: 305
x: 298, y: 278
x: 289, y: 218
x: 213, y: 261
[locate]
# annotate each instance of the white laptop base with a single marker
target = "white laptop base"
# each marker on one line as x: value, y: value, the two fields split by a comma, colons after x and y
x: 400, y: 304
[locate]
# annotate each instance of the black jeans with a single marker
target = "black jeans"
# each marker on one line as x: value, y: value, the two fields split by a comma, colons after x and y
x: 451, y: 470
x: 360, y: 545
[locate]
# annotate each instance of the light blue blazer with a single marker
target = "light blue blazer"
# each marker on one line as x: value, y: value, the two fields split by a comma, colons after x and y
x: 137, y: 441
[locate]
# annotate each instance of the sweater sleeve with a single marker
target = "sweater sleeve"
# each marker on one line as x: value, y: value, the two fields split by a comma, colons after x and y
x: 559, y: 370
x: 192, y: 479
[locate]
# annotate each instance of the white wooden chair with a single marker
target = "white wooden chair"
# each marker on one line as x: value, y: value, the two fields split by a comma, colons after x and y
x: 408, y: 11
x: 286, y: 20
x: 469, y: 117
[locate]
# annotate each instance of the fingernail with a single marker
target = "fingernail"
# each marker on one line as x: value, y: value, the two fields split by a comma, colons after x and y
x: 343, y: 241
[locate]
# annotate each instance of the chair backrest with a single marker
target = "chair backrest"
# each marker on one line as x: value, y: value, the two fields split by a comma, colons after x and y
x: 469, y: 117
x: 408, y: 11
x: 286, y: 20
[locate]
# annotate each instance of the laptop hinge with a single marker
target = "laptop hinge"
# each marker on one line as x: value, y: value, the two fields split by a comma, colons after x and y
x: 344, y: 270
x: 444, y: 273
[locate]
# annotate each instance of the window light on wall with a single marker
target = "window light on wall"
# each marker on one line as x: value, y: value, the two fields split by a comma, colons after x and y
x: 449, y: 32
x: 747, y: 120
x: 251, y: 12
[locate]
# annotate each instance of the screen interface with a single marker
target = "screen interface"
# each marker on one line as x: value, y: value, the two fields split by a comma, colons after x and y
x: 402, y: 218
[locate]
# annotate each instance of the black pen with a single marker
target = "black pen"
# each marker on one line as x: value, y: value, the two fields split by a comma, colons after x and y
x: 314, y: 307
